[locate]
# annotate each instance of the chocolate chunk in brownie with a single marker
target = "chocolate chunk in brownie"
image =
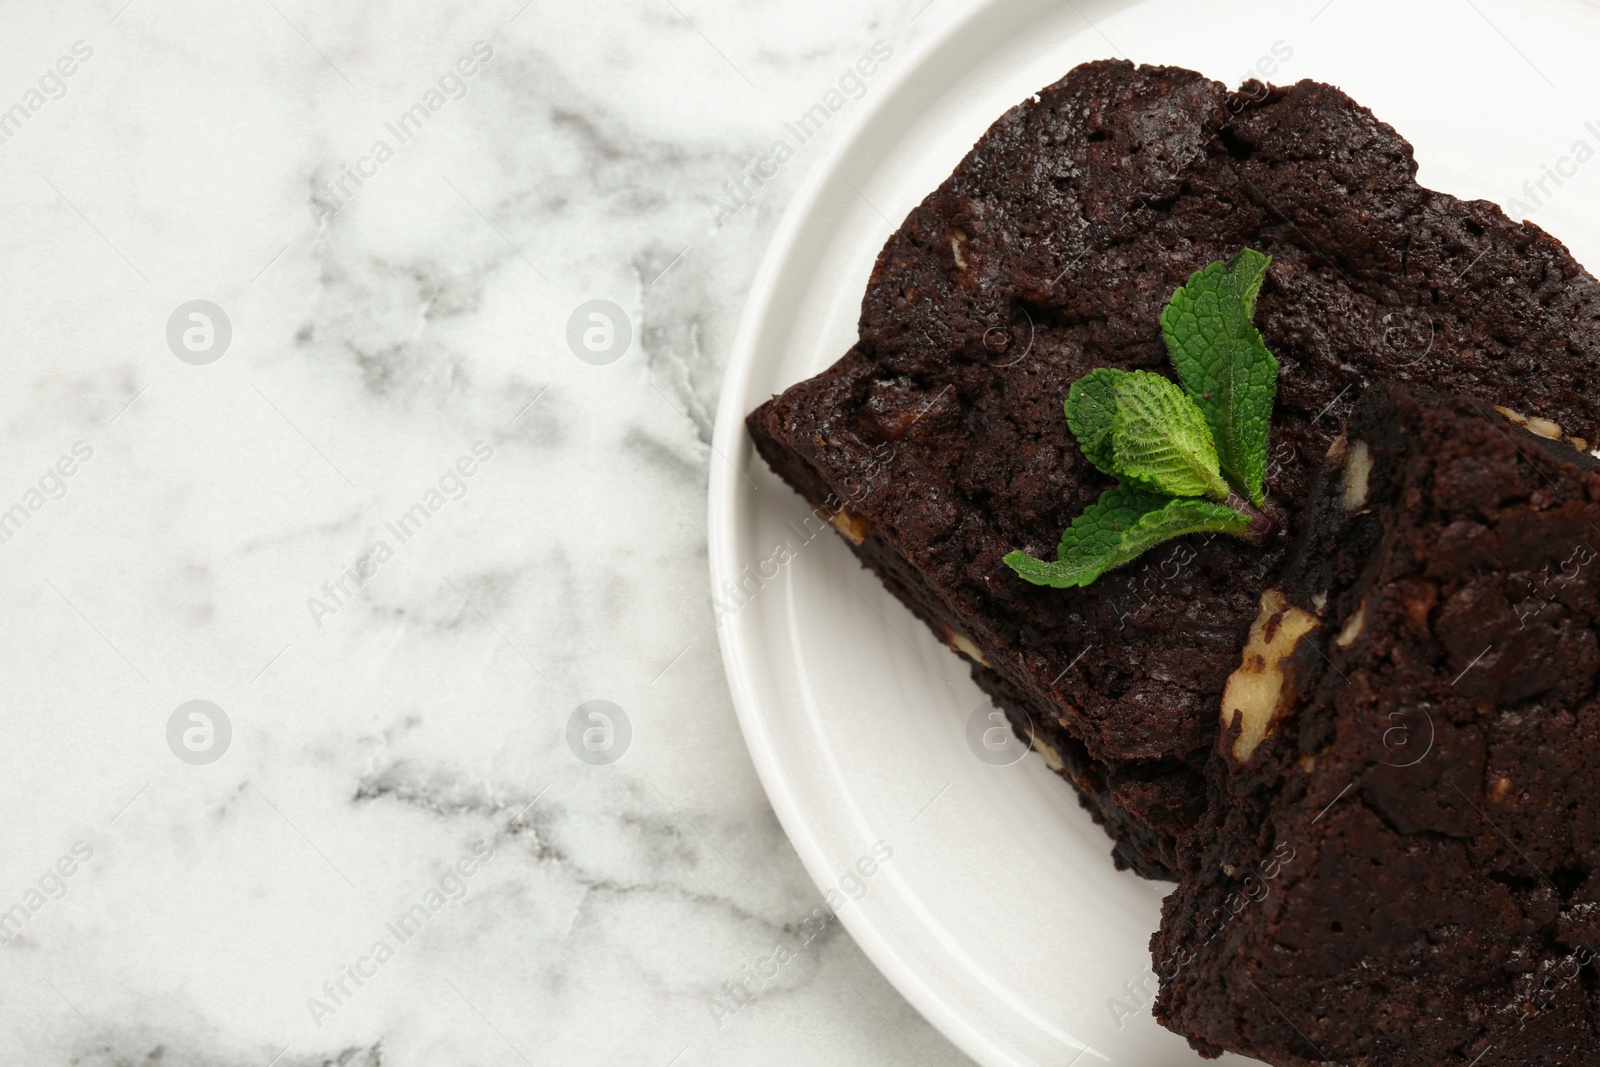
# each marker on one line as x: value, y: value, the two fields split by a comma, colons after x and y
x: 939, y: 441
x: 1401, y: 859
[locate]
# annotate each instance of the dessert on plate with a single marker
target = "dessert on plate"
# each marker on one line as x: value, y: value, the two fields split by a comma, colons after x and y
x: 938, y: 443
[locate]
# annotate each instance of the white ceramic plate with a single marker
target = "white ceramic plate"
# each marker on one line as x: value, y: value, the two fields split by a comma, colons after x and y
x: 999, y: 915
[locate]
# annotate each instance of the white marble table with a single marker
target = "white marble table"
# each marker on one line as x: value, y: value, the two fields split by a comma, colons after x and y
x: 369, y: 506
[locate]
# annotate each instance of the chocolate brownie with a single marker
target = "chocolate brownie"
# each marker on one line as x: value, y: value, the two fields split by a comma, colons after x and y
x: 939, y: 439
x: 1401, y: 860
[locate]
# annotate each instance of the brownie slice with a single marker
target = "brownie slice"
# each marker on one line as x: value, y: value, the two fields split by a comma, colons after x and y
x: 1401, y: 860
x: 939, y: 444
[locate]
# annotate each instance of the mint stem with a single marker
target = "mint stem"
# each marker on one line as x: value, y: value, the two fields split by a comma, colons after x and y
x: 1262, y: 526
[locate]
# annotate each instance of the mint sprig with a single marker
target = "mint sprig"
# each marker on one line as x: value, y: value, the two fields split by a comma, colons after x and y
x: 1187, y: 460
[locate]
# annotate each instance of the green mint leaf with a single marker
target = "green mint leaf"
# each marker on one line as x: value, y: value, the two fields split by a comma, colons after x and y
x: 1091, y: 406
x: 1181, y: 517
x: 1142, y: 429
x: 1090, y: 544
x: 1056, y: 574
x: 1123, y: 524
x: 1160, y: 439
x: 1224, y: 364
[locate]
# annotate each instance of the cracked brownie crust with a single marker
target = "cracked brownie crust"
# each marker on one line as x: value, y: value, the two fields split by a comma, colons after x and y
x: 1050, y: 252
